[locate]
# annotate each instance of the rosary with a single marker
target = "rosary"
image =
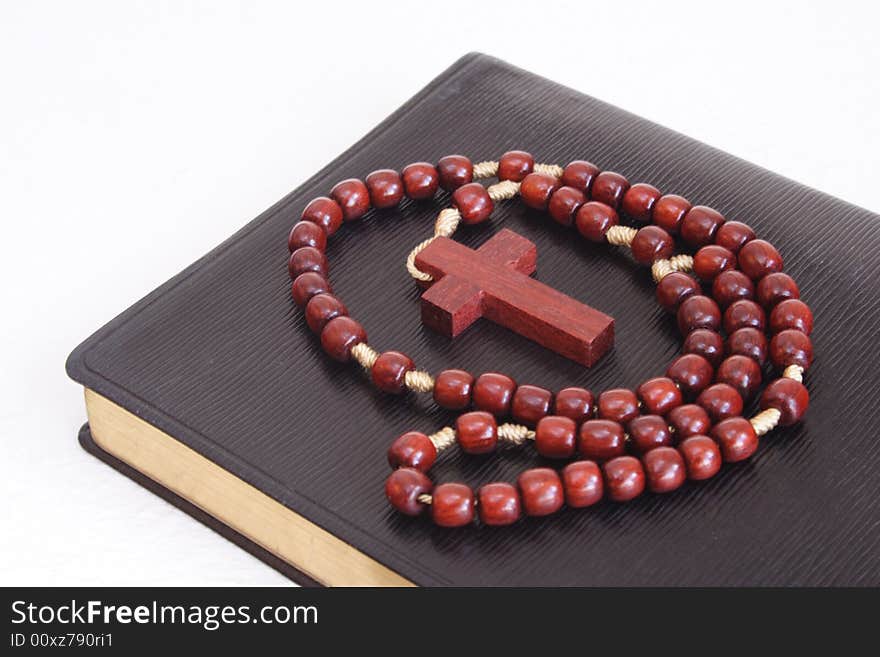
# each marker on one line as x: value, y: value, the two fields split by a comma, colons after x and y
x: 671, y: 428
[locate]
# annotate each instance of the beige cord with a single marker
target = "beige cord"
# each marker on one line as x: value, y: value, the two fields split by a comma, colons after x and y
x: 662, y: 268
x: 503, y: 190
x: 485, y: 170
x: 620, y: 235
x: 550, y: 169
x: 365, y: 355
x: 515, y: 433
x: 766, y: 420
x: 443, y: 439
x: 419, y: 381
x: 425, y: 498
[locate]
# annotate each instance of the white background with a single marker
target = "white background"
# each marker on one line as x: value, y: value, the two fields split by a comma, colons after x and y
x: 134, y: 137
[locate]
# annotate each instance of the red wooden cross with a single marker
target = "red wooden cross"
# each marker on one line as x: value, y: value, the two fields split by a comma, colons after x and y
x: 493, y: 282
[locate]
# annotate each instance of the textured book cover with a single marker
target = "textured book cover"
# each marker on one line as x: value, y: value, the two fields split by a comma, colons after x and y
x: 219, y: 361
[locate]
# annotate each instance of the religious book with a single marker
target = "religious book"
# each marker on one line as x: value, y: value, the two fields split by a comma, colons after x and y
x: 212, y: 391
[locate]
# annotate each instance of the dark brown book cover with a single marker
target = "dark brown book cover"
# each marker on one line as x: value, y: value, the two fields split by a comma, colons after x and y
x: 221, y: 359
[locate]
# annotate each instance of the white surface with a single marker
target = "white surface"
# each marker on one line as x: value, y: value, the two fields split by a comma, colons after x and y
x: 133, y: 138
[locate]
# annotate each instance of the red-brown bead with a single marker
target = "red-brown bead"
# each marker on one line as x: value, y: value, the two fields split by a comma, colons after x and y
x: 564, y: 204
x: 689, y: 420
x: 651, y: 243
x: 582, y: 483
x: 454, y: 171
x: 758, y: 259
x: 744, y: 313
x: 730, y: 286
x: 580, y: 175
x: 618, y: 404
x: 692, y: 372
x: 748, y: 342
x: 594, y: 219
x: 675, y: 288
x: 412, y: 450
x: 775, y: 288
x: 711, y: 260
x: 702, y: 458
x: 624, y: 478
x: 530, y: 404
x: 340, y: 335
x: 601, y: 440
x: 536, y: 189
x: 452, y: 505
x: 791, y: 347
x: 493, y: 393
x: 664, y: 469
x: 736, y: 437
x: 733, y: 235
x: 385, y: 187
x: 541, y: 491
x: 639, y: 200
x: 389, y: 371
x: 499, y: 504
x: 353, y: 197
x: 453, y: 389
x: 555, y: 437
x: 609, y: 188
x: 473, y: 202
x: 324, y: 212
x: 791, y: 314
x: 721, y: 401
x: 307, y: 233
x: 420, y: 180
x: 515, y: 165
x: 307, y: 285
x: 403, y: 488
x: 321, y: 308
x: 649, y: 431
x: 669, y: 211
x: 574, y: 403
x: 707, y: 343
x: 698, y: 312
x: 742, y: 373
x: 476, y: 432
x: 659, y: 395
x: 306, y: 258
x: 700, y: 224
x: 789, y: 397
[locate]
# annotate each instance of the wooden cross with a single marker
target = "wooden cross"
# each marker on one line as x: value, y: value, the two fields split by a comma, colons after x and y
x: 493, y: 282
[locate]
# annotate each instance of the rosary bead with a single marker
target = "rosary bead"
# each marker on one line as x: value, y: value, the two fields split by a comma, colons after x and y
x: 721, y: 401
x: 412, y: 450
x: 353, y: 197
x: 536, y: 189
x: 582, y: 483
x: 702, y: 458
x: 493, y: 393
x: 555, y: 437
x: 791, y: 347
x: 706, y: 343
x: 306, y: 258
x: 639, y: 200
x: 580, y: 175
x: 385, y: 187
x: 624, y: 478
x: 730, y: 286
x: 675, y: 288
x: 609, y: 188
x: 618, y: 404
x: 692, y: 372
x: 744, y: 313
x: 530, y: 404
x: 789, y: 397
x: 541, y: 491
x: 307, y: 285
x: 758, y: 259
x: 564, y: 204
x: 669, y: 211
x: 736, y: 437
x: 498, y: 504
x: 403, y: 487
x: 339, y: 335
x: 748, y: 342
x: 791, y: 314
x: 453, y: 388
x: 700, y: 224
x: 473, y: 202
x: 324, y: 212
x: 601, y: 440
x: 659, y: 395
x: 454, y: 171
x: 321, y: 308
x: 452, y: 505
x: 664, y: 469
x: 649, y: 431
x: 775, y: 288
x: 389, y: 371
x: 307, y: 233
x: 711, y: 260
x: 594, y: 219
x: 515, y: 165
x: 651, y: 243
x: 698, y: 312
x: 574, y: 403
x: 477, y: 432
x: 742, y: 373
x: 733, y: 235
x: 689, y: 420
x: 420, y: 181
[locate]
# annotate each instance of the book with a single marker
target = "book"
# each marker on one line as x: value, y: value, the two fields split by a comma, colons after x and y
x: 213, y: 392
